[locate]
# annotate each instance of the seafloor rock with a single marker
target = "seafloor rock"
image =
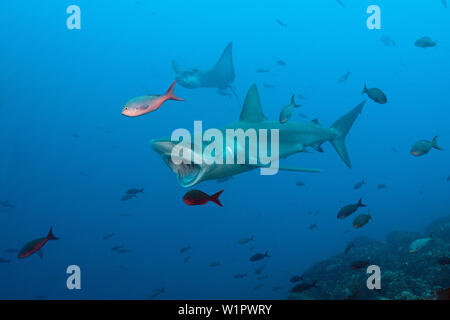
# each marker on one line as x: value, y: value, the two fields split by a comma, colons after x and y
x: 404, y: 275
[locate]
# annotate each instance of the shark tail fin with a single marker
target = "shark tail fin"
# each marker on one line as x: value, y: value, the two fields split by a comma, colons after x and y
x: 170, y: 95
x: 341, y: 128
x: 215, y: 198
x: 435, y: 145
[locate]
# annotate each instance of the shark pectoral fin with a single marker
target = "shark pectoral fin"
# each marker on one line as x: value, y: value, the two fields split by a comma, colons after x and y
x: 41, y: 254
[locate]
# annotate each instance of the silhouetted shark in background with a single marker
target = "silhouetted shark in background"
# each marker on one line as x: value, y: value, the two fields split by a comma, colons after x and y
x: 220, y: 76
x: 294, y: 137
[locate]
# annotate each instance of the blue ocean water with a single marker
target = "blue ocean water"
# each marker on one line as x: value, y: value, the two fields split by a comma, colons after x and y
x: 68, y: 155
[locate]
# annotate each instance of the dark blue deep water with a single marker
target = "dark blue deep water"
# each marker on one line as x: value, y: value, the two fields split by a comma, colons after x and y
x: 68, y: 154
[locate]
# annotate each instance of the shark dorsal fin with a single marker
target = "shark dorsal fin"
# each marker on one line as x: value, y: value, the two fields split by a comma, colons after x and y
x: 252, y: 111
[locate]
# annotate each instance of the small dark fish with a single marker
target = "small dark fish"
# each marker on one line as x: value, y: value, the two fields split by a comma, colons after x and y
x: 262, y: 70
x: 345, y: 77
x: 359, y: 184
x: 361, y: 220
x: 359, y: 264
x: 280, y: 62
x: 276, y: 288
x: 251, y: 248
x: 394, y: 149
x: 303, y: 287
x: 134, y: 191
x: 281, y: 23
x: 425, y: 42
x: 6, y: 204
x: 4, y: 261
x: 214, y: 264
x: 268, y: 85
x: 246, y: 240
x: 301, y: 97
x: 123, y: 251
x: 287, y: 110
x: 296, y: 278
x: 260, y: 269
x: 182, y: 250
x: 262, y: 277
x: 300, y: 184
x: 375, y: 94
x: 259, y: 256
x: 187, y: 259
x: 424, y: 146
x: 109, y: 236
x: 197, y: 197
x: 156, y: 293
x: 115, y: 248
x: 381, y: 186
x: 349, y: 247
x: 313, y: 226
x: 11, y: 250
x: 127, y: 197
x: 448, y: 179
x: 387, y: 41
x: 304, y: 116
x: 75, y: 135
x: 444, y: 261
x: 258, y: 286
x: 444, y: 3
x: 240, y: 276
x: 350, y: 209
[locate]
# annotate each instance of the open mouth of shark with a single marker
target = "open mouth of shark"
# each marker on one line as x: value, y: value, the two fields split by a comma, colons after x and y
x: 188, y: 174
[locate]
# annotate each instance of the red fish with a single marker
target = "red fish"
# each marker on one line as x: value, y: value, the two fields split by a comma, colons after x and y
x: 359, y: 265
x: 36, y: 245
x: 197, y: 197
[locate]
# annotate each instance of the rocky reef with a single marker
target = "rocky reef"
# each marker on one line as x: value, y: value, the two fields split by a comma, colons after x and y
x: 404, y: 275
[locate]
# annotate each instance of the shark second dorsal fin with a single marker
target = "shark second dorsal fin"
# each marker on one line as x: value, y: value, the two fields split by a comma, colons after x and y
x: 252, y: 111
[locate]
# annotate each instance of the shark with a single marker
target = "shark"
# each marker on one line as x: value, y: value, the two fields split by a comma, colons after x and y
x: 294, y: 137
x: 220, y: 76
